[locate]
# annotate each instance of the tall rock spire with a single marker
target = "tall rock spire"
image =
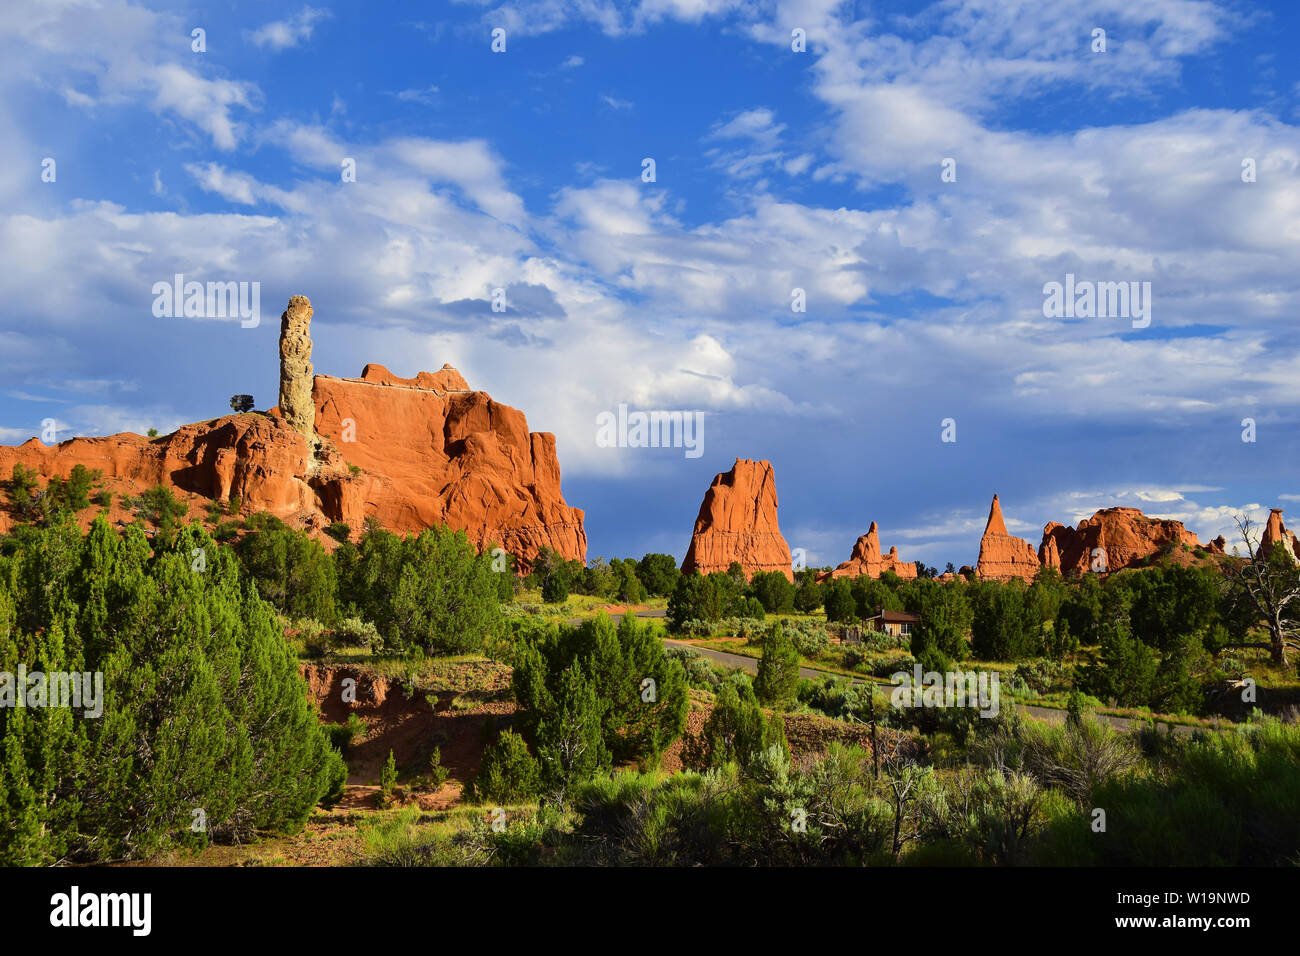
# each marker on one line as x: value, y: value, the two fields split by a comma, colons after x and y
x: 295, y: 367
x: 995, y: 523
x: 1003, y: 556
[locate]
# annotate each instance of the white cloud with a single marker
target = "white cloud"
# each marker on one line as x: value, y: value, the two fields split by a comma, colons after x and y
x: 289, y: 32
x: 425, y: 96
x: 235, y: 187
x: 118, y: 53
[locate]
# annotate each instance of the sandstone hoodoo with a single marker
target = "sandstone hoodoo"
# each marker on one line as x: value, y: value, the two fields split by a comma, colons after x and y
x: 1122, y: 537
x: 1002, y: 555
x: 410, y: 453
x: 867, y: 559
x: 1276, y: 533
x: 295, y: 366
x: 737, y: 523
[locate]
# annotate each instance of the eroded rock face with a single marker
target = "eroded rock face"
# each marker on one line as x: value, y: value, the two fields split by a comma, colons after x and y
x: 1004, y: 556
x: 1125, y: 537
x: 867, y: 559
x: 295, y: 366
x: 1276, y: 534
x: 431, y: 451
x: 737, y: 523
x: 409, y: 455
x: 255, y: 458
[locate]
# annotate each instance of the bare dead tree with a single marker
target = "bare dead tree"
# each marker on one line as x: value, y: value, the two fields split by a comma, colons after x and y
x: 1270, y: 583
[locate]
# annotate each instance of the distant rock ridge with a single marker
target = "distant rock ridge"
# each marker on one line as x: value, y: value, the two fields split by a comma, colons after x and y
x: 737, y: 522
x: 867, y: 559
x: 410, y: 453
x: 1118, y: 538
x: 1002, y: 555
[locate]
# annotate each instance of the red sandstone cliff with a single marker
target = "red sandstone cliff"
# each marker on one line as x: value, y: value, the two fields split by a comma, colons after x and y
x: 409, y: 452
x: 432, y: 451
x: 1003, y: 556
x: 737, y: 523
x: 1125, y: 537
x: 867, y: 559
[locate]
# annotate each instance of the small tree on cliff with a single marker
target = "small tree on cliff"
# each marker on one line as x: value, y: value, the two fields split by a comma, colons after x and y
x: 1269, y: 584
x: 241, y: 403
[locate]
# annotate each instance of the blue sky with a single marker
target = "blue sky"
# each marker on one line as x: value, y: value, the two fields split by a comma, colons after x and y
x: 818, y: 170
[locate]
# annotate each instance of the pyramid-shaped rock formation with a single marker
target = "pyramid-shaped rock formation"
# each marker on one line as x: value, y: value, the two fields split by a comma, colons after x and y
x: 410, y: 453
x: 867, y: 559
x: 1125, y: 536
x: 737, y: 523
x: 1276, y: 534
x: 1002, y: 555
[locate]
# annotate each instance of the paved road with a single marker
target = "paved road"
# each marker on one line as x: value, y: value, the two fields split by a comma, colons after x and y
x: 1052, y: 715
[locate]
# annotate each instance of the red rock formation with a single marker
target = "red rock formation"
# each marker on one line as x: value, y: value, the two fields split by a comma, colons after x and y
x: 1003, y: 556
x: 256, y: 458
x: 737, y: 523
x: 1049, y: 555
x: 867, y: 559
x: 1125, y: 536
x: 1276, y: 533
x: 431, y: 451
x: 409, y: 452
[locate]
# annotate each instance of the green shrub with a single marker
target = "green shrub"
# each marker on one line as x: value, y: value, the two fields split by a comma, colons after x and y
x: 437, y: 772
x: 778, y: 669
x: 203, y: 705
x: 736, y: 731
x: 387, y: 780
x: 433, y: 592
x: 291, y: 569
x: 354, y: 632
x: 595, y: 693
x: 343, y: 735
x: 555, y: 589
x: 508, y: 773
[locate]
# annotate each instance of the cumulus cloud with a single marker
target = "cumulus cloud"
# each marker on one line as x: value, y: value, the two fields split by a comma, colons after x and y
x: 923, y: 304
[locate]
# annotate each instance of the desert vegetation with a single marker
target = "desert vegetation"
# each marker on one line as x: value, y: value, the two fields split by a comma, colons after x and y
x: 596, y: 740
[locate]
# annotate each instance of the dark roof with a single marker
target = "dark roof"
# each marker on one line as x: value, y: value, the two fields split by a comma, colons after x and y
x: 895, y: 617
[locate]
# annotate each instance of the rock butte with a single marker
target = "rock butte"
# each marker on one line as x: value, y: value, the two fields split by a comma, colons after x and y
x: 410, y: 453
x: 1126, y: 535
x: 867, y: 559
x: 1276, y: 533
x: 737, y: 523
x: 1002, y: 555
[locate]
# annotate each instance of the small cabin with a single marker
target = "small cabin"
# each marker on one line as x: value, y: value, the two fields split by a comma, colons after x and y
x: 895, y: 623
